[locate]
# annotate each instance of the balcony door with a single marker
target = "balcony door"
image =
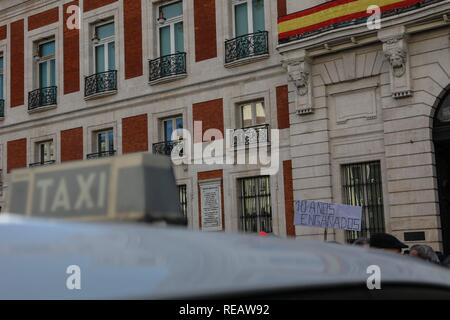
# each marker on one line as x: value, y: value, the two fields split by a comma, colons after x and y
x: 104, y: 48
x: 1, y: 79
x: 105, y: 141
x: 171, y: 35
x: 248, y: 16
x: 44, y: 151
x: 172, y: 127
x: 252, y: 114
x: 47, y: 64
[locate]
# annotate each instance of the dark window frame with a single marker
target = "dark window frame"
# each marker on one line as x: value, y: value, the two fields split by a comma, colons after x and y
x: 261, y: 219
x: 362, y: 185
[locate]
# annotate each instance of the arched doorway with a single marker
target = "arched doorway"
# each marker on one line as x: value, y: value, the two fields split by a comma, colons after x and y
x: 441, y: 138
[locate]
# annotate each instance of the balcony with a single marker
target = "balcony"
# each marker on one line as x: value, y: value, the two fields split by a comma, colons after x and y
x: 42, y: 163
x: 246, y: 48
x: 42, y: 99
x: 102, y: 154
x: 165, y: 148
x: 251, y: 136
x: 2, y: 108
x: 166, y: 68
x: 100, y: 84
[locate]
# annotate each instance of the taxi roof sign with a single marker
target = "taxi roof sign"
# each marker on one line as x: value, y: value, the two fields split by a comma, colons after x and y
x: 138, y: 187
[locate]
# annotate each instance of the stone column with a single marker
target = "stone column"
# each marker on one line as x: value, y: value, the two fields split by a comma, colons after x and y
x: 309, y: 139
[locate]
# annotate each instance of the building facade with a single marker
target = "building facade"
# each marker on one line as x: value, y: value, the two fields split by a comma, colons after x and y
x: 94, y: 78
x: 368, y: 101
x: 360, y: 103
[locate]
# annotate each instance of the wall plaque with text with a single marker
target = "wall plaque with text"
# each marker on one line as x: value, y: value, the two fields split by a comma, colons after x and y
x: 211, y: 206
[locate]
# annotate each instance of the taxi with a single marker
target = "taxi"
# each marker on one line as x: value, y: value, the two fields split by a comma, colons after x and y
x: 75, y: 231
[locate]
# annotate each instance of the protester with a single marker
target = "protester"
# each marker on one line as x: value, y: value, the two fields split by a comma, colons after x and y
x: 424, y: 252
x: 446, y: 262
x: 386, y: 242
x: 362, y: 242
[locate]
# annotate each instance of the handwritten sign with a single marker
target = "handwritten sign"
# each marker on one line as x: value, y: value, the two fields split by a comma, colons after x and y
x: 327, y: 215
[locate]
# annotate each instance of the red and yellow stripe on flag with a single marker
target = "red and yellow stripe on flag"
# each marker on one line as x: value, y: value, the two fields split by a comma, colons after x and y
x: 331, y: 13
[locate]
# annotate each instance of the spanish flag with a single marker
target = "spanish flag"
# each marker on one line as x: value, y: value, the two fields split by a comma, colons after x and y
x: 332, y: 13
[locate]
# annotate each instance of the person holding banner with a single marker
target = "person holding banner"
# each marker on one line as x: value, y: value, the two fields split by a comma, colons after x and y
x: 387, y: 242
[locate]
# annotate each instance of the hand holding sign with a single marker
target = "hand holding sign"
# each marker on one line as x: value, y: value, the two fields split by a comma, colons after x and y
x: 327, y: 215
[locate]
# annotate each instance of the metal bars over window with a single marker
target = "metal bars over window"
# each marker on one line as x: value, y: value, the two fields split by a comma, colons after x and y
x: 361, y: 186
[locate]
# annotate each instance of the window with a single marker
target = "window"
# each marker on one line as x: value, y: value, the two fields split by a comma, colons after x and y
x: 168, y: 127
x: 171, y: 125
x: 45, y: 93
x: 104, y: 78
x: 248, y: 16
x: 2, y: 88
x: 255, y: 204
x: 252, y: 114
x: 250, y: 38
x: 362, y: 187
x: 182, y: 193
x: 102, y: 144
x: 105, y: 141
x: 44, y: 152
x: 104, y: 47
x: 170, y: 30
x: 46, y: 64
x: 1, y: 183
x: 2, y: 81
x: 171, y: 63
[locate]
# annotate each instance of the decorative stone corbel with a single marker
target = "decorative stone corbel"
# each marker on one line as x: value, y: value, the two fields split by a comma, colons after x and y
x: 395, y: 48
x: 298, y: 67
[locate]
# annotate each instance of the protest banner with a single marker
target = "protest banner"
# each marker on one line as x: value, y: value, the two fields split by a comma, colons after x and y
x: 327, y: 215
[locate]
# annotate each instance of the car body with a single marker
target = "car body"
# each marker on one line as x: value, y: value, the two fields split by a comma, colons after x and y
x: 139, y: 261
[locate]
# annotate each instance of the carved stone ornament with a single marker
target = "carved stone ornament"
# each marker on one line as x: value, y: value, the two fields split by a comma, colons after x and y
x: 298, y: 66
x: 395, y: 48
x: 301, y: 81
x: 397, y: 59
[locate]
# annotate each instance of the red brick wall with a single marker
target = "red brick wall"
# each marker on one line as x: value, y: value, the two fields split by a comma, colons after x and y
x: 3, y: 32
x: 17, y: 154
x: 205, y: 29
x: 211, y: 115
x: 133, y: 38
x: 282, y: 9
x: 17, y: 63
x: 43, y: 18
x: 288, y: 197
x: 94, y: 4
x: 282, y: 107
x: 135, y: 134
x: 72, y: 144
x: 71, y: 43
x: 207, y: 175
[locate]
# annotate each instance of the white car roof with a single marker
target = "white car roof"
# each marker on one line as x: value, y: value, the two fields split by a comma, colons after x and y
x: 142, y: 261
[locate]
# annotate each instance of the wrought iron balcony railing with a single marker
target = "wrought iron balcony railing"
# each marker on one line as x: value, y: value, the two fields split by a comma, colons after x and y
x: 251, y: 135
x: 101, y: 154
x: 42, y: 163
x: 166, y: 66
x: 42, y: 97
x: 166, y: 147
x: 2, y: 108
x: 246, y: 46
x: 100, y: 83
